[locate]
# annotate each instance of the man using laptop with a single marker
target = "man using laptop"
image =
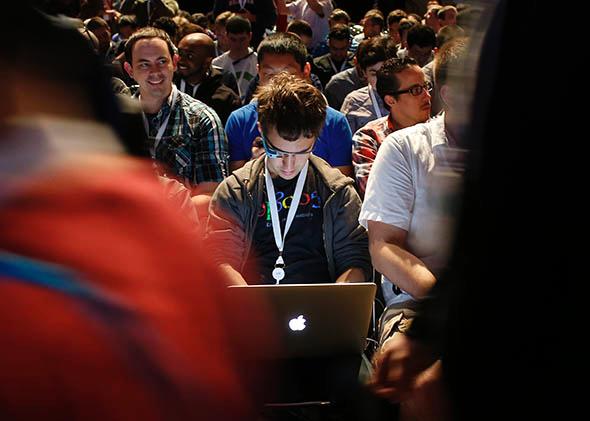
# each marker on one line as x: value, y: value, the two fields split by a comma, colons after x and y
x: 308, y: 231
x: 285, y: 52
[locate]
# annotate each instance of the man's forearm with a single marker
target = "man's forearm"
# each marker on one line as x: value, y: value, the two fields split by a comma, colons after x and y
x: 403, y: 268
x: 352, y: 275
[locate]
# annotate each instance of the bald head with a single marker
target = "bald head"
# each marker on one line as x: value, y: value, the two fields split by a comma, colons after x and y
x: 199, y: 41
x: 196, y: 53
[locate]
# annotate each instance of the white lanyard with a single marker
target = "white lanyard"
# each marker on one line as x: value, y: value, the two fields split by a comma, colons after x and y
x: 183, y: 87
x: 242, y: 4
x: 278, y: 272
x: 164, y: 124
x: 334, y: 66
x: 233, y: 69
x: 376, y: 106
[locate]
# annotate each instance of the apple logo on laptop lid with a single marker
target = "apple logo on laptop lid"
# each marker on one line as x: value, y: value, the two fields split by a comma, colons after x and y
x: 297, y: 324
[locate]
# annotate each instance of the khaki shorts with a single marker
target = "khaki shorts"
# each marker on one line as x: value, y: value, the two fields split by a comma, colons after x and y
x: 395, y: 320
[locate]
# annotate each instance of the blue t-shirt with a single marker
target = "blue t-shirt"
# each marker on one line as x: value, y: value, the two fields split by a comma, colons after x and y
x: 334, y: 145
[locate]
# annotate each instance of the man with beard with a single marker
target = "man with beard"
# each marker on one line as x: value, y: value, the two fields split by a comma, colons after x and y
x: 196, y: 77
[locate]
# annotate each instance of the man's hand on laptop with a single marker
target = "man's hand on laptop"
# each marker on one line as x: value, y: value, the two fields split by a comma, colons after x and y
x: 232, y: 276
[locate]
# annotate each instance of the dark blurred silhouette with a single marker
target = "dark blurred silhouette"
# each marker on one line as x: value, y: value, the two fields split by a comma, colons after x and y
x: 489, y: 344
x: 110, y: 309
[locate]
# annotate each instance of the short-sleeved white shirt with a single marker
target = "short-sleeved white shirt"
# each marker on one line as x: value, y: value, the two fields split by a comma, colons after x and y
x: 244, y: 70
x: 401, y: 191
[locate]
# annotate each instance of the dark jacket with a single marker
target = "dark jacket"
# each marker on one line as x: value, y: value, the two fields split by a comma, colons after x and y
x: 238, y: 199
x: 213, y: 92
x: 323, y: 68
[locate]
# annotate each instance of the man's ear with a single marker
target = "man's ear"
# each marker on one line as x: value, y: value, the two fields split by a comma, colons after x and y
x: 128, y: 69
x: 389, y: 100
x: 307, y: 70
x: 445, y: 95
x: 175, y: 59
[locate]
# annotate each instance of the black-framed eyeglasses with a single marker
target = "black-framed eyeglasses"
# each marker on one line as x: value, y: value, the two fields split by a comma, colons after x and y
x: 415, y: 90
x: 274, y: 152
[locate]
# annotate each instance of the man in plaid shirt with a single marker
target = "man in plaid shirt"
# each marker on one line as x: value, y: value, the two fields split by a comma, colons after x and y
x: 184, y: 135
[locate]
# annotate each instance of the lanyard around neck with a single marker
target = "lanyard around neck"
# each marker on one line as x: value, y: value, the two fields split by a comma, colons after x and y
x: 376, y: 106
x: 164, y: 124
x: 183, y: 85
x: 274, y: 213
x: 334, y: 66
x: 238, y: 81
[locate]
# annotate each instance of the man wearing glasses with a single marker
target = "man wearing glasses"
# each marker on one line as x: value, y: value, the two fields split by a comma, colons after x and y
x: 287, y: 216
x: 285, y: 52
x: 402, y: 86
x: 417, y: 170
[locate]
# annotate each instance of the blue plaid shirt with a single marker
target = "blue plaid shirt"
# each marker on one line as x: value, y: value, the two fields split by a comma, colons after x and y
x: 193, y: 146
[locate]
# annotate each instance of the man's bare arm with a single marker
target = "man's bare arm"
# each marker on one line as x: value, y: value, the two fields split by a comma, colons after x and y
x: 352, y: 275
x: 389, y: 256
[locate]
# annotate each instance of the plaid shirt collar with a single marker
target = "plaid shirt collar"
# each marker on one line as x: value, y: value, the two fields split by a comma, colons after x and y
x: 166, y: 106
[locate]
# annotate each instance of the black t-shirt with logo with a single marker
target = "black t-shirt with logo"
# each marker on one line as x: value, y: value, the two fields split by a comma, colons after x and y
x: 303, y: 252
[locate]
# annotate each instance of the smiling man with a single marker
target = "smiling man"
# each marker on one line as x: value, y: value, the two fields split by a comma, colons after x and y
x: 288, y: 217
x: 184, y: 135
x: 195, y: 75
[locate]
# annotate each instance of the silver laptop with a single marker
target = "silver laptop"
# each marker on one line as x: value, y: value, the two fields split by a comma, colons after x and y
x: 314, y: 319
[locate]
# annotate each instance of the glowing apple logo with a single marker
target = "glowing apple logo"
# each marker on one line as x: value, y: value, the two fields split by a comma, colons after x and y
x: 297, y: 324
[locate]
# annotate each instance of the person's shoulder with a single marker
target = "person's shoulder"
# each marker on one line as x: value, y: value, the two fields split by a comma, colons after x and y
x: 225, y: 93
x: 330, y: 176
x: 220, y: 61
x: 245, y: 112
x: 197, y: 111
x: 322, y: 60
x: 372, y: 126
x: 415, y: 136
x: 333, y: 115
x: 190, y: 104
x: 243, y: 177
x: 358, y: 95
x: 337, y: 79
x: 343, y: 77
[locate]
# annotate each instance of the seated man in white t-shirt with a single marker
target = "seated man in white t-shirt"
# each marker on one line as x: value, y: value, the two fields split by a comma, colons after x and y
x: 409, y: 210
x: 240, y: 59
x: 405, y: 208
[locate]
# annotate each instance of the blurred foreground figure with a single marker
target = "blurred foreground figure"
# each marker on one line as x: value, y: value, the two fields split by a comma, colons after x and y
x: 108, y: 311
x: 489, y: 374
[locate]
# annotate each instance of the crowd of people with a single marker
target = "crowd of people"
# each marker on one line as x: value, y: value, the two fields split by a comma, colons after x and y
x: 215, y: 143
